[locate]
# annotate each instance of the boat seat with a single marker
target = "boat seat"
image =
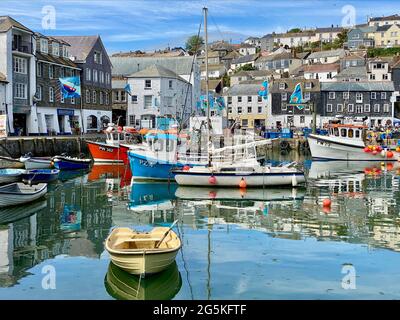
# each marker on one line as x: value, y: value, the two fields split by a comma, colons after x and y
x: 141, y: 239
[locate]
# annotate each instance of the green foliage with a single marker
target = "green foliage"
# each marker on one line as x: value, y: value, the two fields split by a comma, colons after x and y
x: 294, y: 30
x: 246, y: 67
x: 193, y: 43
x: 226, y: 80
x: 383, y: 52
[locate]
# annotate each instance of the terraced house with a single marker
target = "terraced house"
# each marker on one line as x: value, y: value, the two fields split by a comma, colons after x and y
x: 90, y: 55
x: 55, y: 114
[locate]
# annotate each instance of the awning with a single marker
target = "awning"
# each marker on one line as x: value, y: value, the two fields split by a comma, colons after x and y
x: 65, y: 112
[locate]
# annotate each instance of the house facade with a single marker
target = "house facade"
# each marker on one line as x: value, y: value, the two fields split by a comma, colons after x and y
x: 326, y: 57
x: 321, y: 72
x: 18, y: 67
x: 245, y: 106
x: 292, y: 40
x: 90, y: 55
x: 158, y: 92
x: 119, y: 100
x: 378, y: 70
x: 387, y: 36
x: 3, y: 88
x: 360, y: 37
x: 55, y: 114
x: 242, y: 61
x: 327, y: 35
x: 358, y: 99
x: 279, y: 62
x: 284, y: 114
x: 385, y: 20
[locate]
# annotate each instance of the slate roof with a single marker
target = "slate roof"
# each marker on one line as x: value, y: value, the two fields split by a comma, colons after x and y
x: 329, y: 29
x: 328, y: 53
x: 389, y: 18
x: 383, y: 28
x: 156, y: 71
x: 358, y: 86
x: 243, y: 89
x: 7, y: 22
x: 353, y: 72
x: 58, y: 60
x: 245, y: 59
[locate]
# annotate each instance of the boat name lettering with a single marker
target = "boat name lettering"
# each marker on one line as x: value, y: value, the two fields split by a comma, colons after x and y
x: 105, y: 149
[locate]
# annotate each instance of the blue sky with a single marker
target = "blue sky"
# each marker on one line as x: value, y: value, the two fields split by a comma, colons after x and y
x: 152, y: 24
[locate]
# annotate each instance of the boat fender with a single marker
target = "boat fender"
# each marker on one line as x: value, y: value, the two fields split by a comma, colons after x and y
x: 294, y: 181
x: 242, y: 184
x: 326, y: 203
x: 212, y: 180
x: 389, y: 154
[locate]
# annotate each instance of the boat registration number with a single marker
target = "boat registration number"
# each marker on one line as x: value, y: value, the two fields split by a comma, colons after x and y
x: 146, y: 163
x: 106, y: 149
x: 323, y: 143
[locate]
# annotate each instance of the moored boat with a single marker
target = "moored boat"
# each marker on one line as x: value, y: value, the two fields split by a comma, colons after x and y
x: 10, y: 175
x: 10, y: 163
x: 69, y: 163
x: 40, y: 176
x: 19, y: 193
x: 32, y: 163
x: 143, y: 253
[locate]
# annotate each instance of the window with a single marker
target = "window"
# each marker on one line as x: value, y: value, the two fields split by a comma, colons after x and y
x: 359, y: 97
x: 284, y: 96
x: 339, y: 107
x: 101, y: 77
x: 383, y: 95
x: 72, y: 100
x: 148, y: 101
x: 134, y: 99
x: 308, y: 85
x: 346, y: 95
x: 350, y: 108
x: 20, y: 91
x: 88, y: 74
x: 168, y: 101
x: 373, y: 95
x: 249, y: 109
x: 20, y: 65
x: 51, y: 94
x: 282, y: 86
x: 44, y: 46
x: 259, y: 109
x: 123, y: 96
x: 170, y: 84
x: 116, y: 96
x: 39, y: 93
x: 343, y: 132
x: 65, y: 52
x: 283, y: 107
x: 385, y: 76
x: 249, y: 99
x: 371, y: 77
x: 56, y: 49
x: 336, y: 132
x: 328, y: 108
x: 245, y: 122
x: 131, y: 120
x: 350, y: 134
x: 87, y: 96
x: 357, y: 133
x: 51, y: 71
x: 302, y: 119
x: 94, y: 97
x: 108, y: 79
x: 359, y: 108
x: 376, y: 108
x: 95, y: 75
x: 101, y: 97
x: 386, y: 107
x: 307, y: 96
x: 367, y: 108
x: 331, y: 95
x: 239, y: 99
x: 98, y: 57
x: 107, y: 98
x: 259, y: 99
x: 229, y: 109
x: 147, y: 84
x: 239, y: 109
x: 229, y: 100
x: 39, y: 69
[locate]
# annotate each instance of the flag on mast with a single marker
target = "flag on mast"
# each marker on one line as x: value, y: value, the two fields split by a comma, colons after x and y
x: 128, y: 89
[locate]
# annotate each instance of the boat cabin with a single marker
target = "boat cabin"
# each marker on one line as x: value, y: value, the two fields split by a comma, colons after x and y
x: 348, y: 131
x: 116, y: 136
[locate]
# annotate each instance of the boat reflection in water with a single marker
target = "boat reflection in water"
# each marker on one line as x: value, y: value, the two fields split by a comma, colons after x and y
x: 152, y: 196
x: 161, y: 286
x: 15, y: 213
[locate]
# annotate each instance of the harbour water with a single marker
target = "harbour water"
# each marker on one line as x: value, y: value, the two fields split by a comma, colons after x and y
x: 254, y: 244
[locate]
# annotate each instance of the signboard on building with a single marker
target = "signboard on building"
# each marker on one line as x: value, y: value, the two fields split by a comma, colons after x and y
x: 3, y: 126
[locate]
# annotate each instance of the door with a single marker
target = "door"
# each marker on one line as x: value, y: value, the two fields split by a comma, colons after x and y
x: 20, y: 124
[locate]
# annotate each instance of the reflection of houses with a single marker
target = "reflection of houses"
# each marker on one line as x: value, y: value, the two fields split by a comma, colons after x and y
x: 90, y: 55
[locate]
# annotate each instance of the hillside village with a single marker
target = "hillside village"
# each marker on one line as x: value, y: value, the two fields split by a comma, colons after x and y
x: 351, y: 72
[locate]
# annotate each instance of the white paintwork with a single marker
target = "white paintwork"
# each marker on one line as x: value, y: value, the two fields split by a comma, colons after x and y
x: 35, y: 192
x: 35, y: 163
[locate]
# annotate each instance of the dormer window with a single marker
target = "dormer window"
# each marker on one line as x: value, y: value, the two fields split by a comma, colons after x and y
x: 65, y: 52
x: 282, y: 86
x: 56, y: 49
x: 44, y: 46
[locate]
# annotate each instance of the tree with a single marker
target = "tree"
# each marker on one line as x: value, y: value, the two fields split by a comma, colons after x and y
x: 193, y: 44
x: 294, y: 30
x: 246, y: 67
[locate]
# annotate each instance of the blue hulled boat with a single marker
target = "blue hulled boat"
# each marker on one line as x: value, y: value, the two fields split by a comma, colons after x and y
x: 40, y: 176
x: 68, y: 163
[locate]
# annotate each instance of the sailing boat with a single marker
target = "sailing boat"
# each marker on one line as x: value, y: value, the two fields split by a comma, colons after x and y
x: 241, y: 171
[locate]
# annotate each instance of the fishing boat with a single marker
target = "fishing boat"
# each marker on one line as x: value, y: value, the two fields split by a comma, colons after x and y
x: 32, y: 163
x: 349, y: 142
x: 40, y: 176
x: 143, y: 253
x: 19, y: 193
x: 161, y: 286
x: 10, y: 175
x: 10, y: 163
x: 69, y: 163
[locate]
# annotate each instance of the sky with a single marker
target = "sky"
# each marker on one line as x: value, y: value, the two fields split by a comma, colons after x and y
x: 155, y: 24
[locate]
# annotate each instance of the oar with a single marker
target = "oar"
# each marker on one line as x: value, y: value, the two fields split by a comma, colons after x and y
x: 166, y: 233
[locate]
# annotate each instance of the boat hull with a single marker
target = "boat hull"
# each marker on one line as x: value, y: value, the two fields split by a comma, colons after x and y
x: 40, y: 176
x: 10, y: 175
x: 104, y: 153
x: 13, y: 199
x: 71, y: 164
x: 322, y: 148
x: 32, y: 164
x: 233, y: 180
x: 9, y: 163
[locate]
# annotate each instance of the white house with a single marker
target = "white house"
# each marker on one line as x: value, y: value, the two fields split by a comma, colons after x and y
x: 382, y: 21
x: 215, y: 71
x: 3, y: 86
x: 295, y: 39
x: 322, y: 72
x: 247, y: 49
x: 378, y: 70
x: 328, y: 56
x: 158, y: 92
x: 328, y: 34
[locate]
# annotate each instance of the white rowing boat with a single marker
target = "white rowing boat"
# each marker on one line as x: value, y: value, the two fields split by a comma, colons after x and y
x: 19, y: 193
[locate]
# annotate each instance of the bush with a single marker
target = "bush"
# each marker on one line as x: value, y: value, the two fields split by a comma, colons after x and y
x: 383, y: 52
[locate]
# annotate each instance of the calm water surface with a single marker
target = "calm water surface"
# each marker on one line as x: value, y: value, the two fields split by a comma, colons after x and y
x: 258, y: 244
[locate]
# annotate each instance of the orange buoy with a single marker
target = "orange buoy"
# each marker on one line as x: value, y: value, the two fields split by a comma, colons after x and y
x: 389, y: 166
x: 398, y: 149
x: 212, y: 180
x: 326, y: 210
x: 326, y: 203
x: 242, y: 184
x: 366, y: 149
x: 389, y: 154
x: 186, y: 168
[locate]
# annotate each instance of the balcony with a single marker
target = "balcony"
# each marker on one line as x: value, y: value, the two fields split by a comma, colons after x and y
x: 22, y: 46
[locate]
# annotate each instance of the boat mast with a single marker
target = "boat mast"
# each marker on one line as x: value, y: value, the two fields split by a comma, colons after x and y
x: 207, y: 86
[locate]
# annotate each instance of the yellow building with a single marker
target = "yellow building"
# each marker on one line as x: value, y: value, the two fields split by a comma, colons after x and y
x: 387, y: 36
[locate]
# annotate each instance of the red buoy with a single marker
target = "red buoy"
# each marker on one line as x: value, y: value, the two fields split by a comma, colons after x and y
x: 242, y: 184
x: 389, y: 154
x: 366, y: 149
x: 326, y: 203
x: 374, y: 152
x: 186, y: 168
x: 212, y: 180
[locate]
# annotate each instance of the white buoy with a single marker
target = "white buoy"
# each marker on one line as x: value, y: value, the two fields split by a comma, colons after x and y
x: 294, y: 181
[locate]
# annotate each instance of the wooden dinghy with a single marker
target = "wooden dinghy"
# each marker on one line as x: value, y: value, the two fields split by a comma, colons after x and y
x: 19, y: 193
x: 143, y: 253
x: 161, y: 286
x: 32, y: 163
x: 10, y: 163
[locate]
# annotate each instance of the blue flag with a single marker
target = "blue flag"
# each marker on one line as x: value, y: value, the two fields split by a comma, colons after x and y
x: 297, y: 95
x: 263, y: 92
x: 70, y: 87
x: 128, y: 89
x: 203, y: 101
x: 220, y: 103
